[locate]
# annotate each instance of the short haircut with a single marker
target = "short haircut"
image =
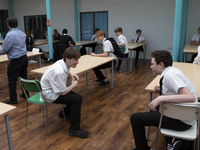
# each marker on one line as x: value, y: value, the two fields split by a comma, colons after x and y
x: 100, y: 33
x: 64, y: 31
x: 162, y: 56
x: 119, y: 29
x: 12, y: 22
x: 138, y: 30
x: 199, y: 28
x: 70, y: 53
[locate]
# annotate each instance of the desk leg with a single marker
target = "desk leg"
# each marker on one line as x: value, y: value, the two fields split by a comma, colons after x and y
x: 68, y: 81
x: 130, y: 60
x: 185, y: 55
x: 112, y: 74
x: 148, y: 128
x: 8, y: 132
x: 145, y: 53
x: 85, y: 77
x: 39, y: 56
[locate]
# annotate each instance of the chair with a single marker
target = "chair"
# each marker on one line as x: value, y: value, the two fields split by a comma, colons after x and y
x: 182, y: 112
x: 122, y: 48
x: 35, y: 86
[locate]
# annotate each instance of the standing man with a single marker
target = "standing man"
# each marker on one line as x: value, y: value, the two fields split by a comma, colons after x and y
x: 66, y: 39
x: 138, y: 38
x: 54, y: 87
x: 14, y: 46
x: 176, y: 88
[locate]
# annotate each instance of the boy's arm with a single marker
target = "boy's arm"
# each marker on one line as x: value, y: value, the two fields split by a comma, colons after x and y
x: 183, y: 96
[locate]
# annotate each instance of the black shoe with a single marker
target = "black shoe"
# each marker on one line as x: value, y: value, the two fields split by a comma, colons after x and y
x: 103, y: 82
x: 136, y: 63
x: 174, y: 145
x: 61, y: 115
x: 9, y: 101
x: 22, y: 95
x: 97, y: 80
x: 79, y: 133
x: 149, y: 148
x: 47, y: 60
x: 118, y: 68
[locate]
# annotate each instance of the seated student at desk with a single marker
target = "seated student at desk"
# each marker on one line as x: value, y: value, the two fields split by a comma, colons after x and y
x: 108, y: 52
x: 138, y: 38
x: 195, y: 41
x: 176, y: 88
x: 54, y: 87
x: 66, y: 39
x: 29, y: 46
x: 121, y: 41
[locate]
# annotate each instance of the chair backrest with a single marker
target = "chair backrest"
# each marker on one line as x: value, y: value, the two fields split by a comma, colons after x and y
x: 31, y: 85
x: 122, y: 48
x: 182, y: 112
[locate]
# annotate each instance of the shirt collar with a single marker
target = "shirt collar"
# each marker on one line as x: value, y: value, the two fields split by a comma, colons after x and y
x: 165, y: 71
x: 65, y: 66
x: 103, y: 40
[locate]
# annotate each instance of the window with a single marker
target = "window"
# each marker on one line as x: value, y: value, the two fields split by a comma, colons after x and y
x: 36, y: 25
x: 92, y: 20
x: 3, y: 25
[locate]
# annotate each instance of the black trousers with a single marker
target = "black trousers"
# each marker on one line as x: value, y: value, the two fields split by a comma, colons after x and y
x: 120, y: 60
x: 138, y: 52
x: 73, y: 108
x: 16, y: 68
x: 98, y: 72
x: 140, y: 120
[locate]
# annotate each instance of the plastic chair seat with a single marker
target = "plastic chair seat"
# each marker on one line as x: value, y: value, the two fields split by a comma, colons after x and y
x: 35, y: 99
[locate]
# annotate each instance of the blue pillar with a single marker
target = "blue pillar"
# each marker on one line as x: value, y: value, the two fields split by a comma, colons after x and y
x: 184, y: 28
x: 177, y: 29
x: 49, y: 29
x: 76, y: 19
x: 10, y: 8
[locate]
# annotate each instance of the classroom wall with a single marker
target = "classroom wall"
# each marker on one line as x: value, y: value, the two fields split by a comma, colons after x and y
x: 154, y: 17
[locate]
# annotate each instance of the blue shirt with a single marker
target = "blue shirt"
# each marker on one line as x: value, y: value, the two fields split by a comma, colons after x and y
x: 14, y: 44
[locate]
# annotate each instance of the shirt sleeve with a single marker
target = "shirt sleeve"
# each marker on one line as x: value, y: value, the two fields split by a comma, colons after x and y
x: 174, y: 82
x: 57, y: 82
x: 7, y: 43
x: 121, y: 40
x: 193, y: 38
x: 107, y: 46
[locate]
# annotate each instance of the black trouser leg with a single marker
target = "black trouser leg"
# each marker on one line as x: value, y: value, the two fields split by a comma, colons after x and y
x: 140, y: 120
x: 98, y: 72
x: 74, y: 101
x: 17, y: 67
x: 120, y: 60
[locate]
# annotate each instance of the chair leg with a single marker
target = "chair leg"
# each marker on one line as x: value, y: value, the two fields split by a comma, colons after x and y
x: 46, y: 120
x: 26, y: 114
x: 64, y: 113
x: 156, y: 143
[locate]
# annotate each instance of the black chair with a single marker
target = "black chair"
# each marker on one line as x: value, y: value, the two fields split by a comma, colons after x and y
x: 58, y: 52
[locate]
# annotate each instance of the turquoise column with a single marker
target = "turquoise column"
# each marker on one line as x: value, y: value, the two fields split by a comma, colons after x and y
x: 10, y: 8
x: 76, y: 19
x: 184, y: 28
x: 49, y: 29
x: 177, y: 30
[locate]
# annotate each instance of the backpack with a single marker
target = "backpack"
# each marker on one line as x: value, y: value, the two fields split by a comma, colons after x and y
x: 116, y: 48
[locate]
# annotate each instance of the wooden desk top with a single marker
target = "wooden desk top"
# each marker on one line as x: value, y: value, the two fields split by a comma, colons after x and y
x: 86, y: 62
x: 192, y: 49
x: 132, y: 46
x: 1, y: 42
x: 44, y: 42
x: 191, y: 71
x: 4, y: 58
x: 5, y: 108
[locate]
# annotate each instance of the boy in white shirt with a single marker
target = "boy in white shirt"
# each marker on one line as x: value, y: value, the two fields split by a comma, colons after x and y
x: 121, y: 41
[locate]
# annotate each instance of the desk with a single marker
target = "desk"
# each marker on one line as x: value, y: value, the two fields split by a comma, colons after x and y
x: 131, y: 47
x: 4, y: 58
x: 189, y: 49
x: 191, y: 71
x: 80, y: 43
x: 86, y: 62
x: 4, y: 110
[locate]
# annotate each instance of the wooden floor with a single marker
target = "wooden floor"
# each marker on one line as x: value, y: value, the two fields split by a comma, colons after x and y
x: 105, y: 114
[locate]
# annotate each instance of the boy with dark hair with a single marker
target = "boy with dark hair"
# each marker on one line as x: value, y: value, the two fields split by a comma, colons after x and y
x: 176, y: 88
x: 66, y: 39
x: 121, y: 41
x: 54, y: 87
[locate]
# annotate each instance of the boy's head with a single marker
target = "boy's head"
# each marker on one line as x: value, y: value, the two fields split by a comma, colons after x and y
x: 160, y: 60
x: 100, y: 35
x: 64, y: 31
x: 12, y: 22
x: 198, y: 30
x: 118, y: 31
x: 139, y: 32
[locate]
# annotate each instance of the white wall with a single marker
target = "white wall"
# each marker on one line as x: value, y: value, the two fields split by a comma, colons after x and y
x: 154, y: 17
x: 4, y: 4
